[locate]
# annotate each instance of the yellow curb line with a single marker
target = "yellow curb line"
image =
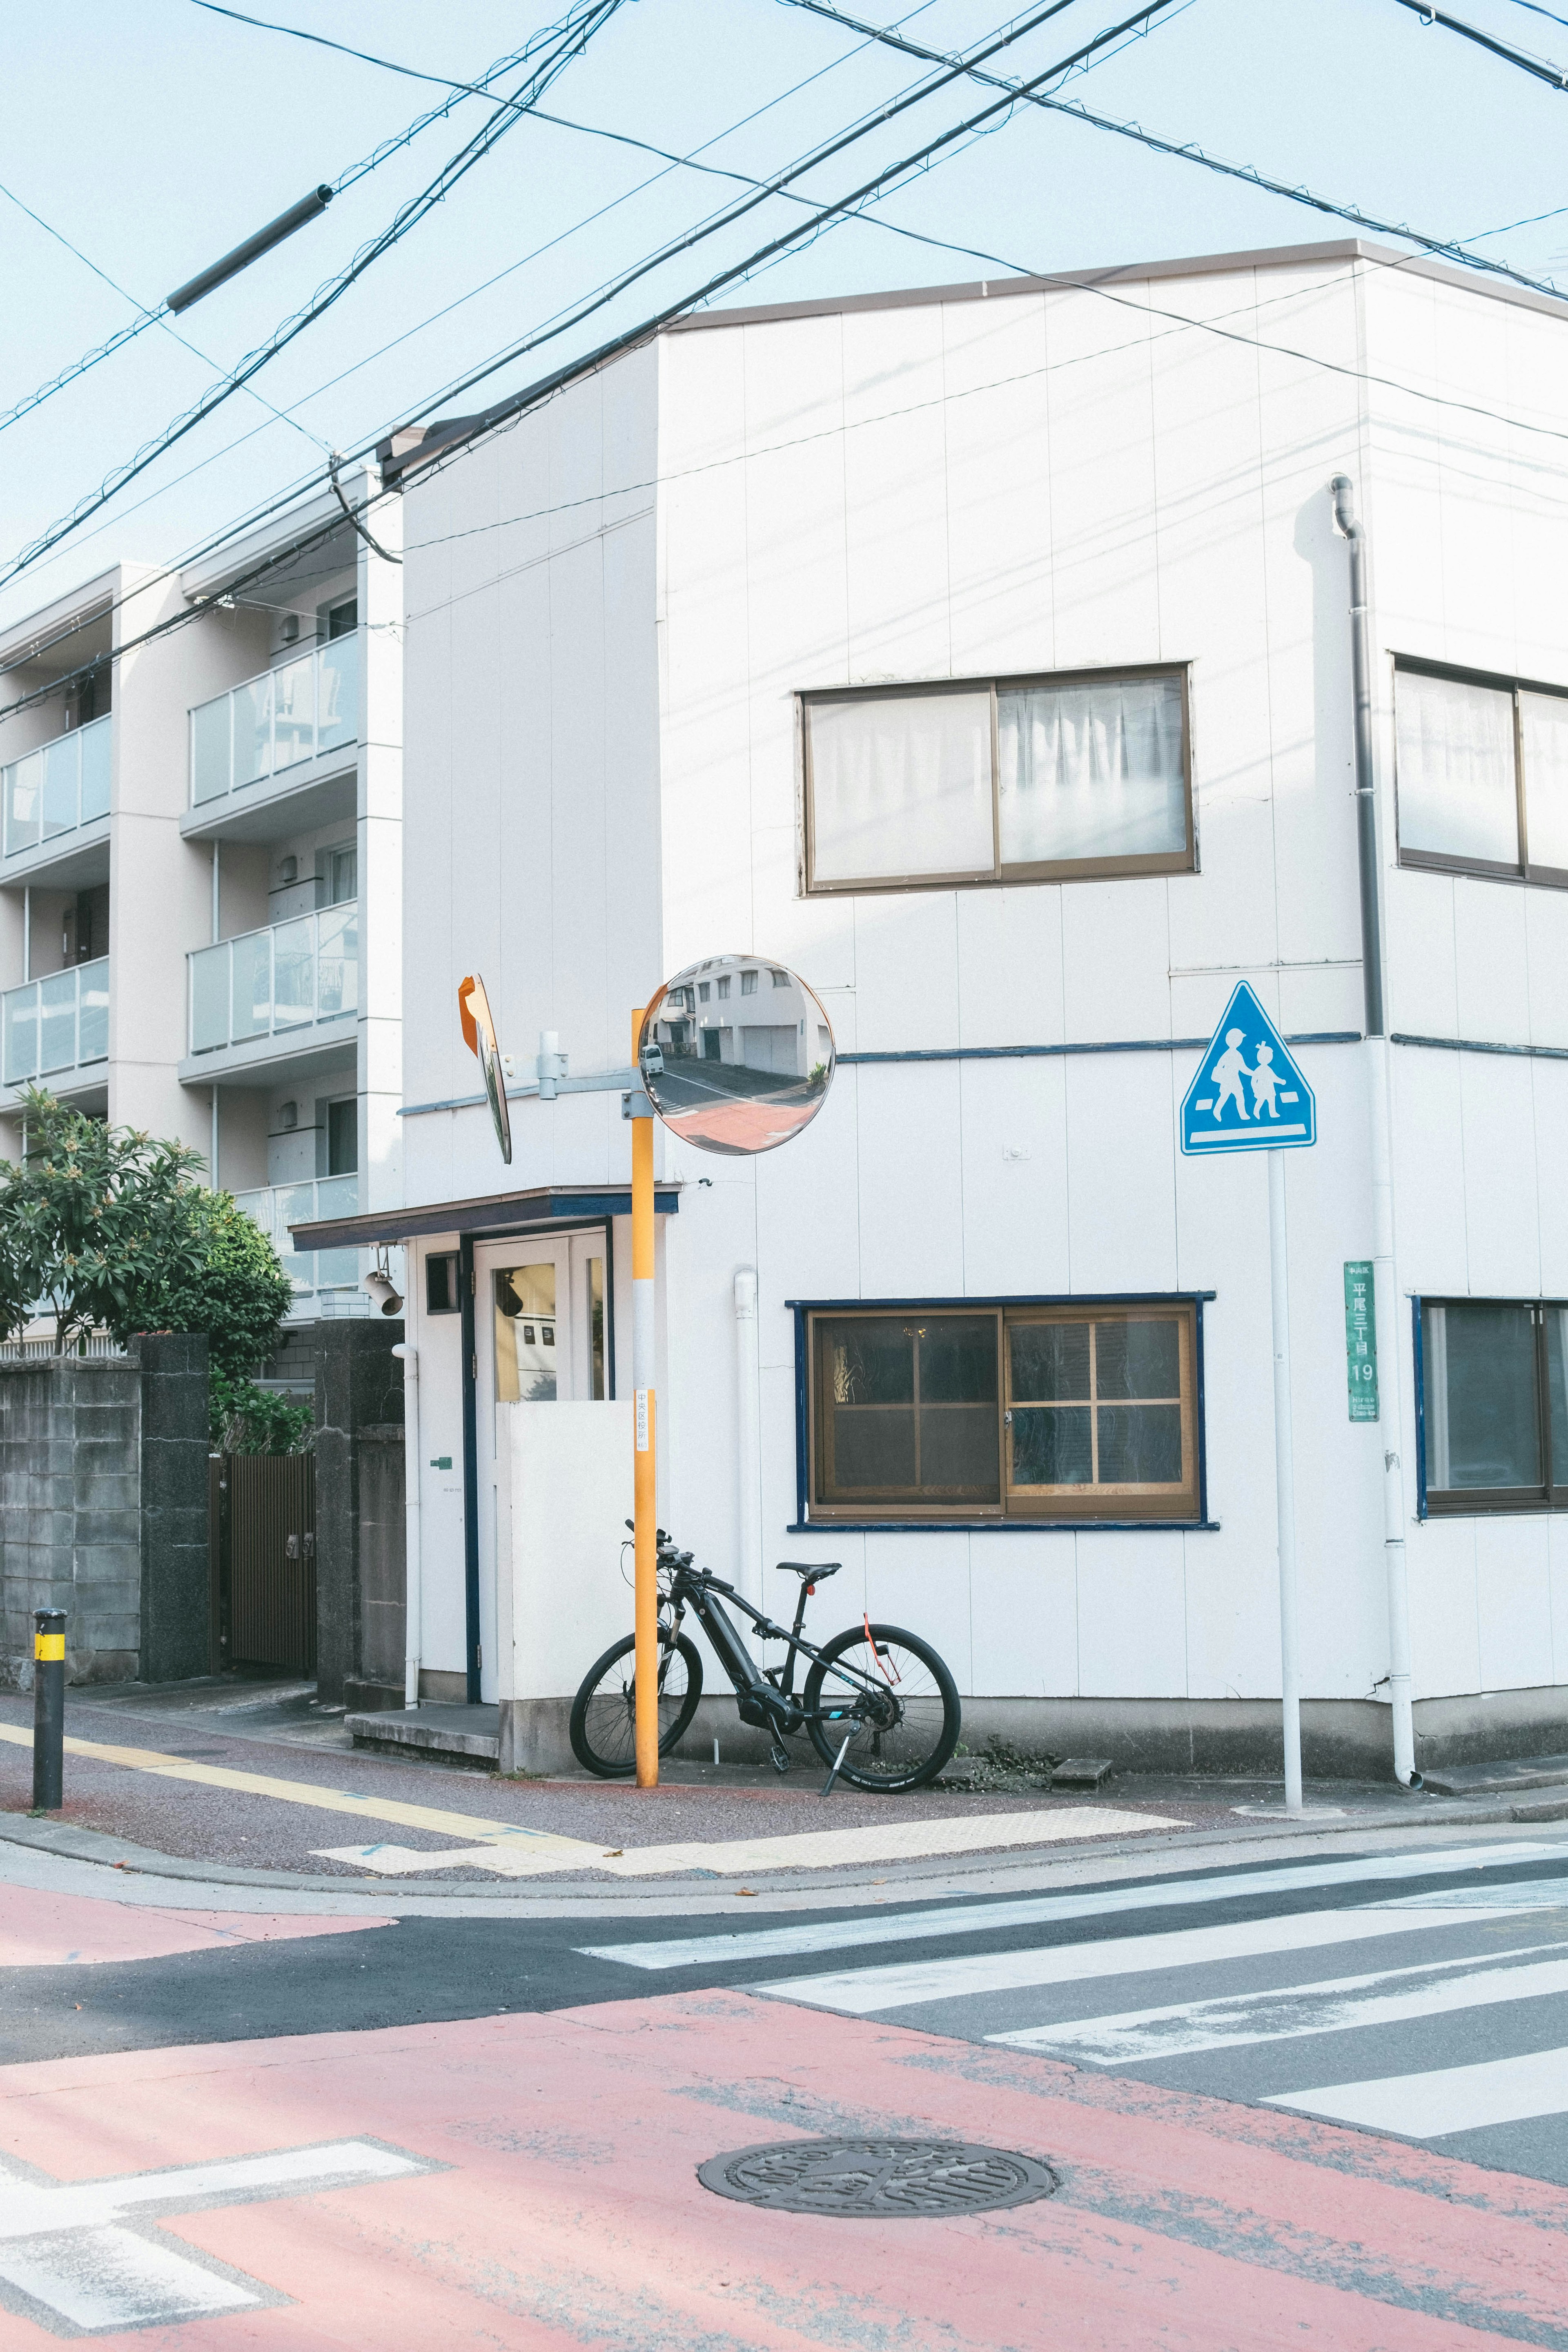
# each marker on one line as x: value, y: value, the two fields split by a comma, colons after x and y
x: 329, y: 1800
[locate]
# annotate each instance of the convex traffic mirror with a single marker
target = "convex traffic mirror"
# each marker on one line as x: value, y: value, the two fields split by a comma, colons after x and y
x: 479, y: 1036
x: 736, y: 1054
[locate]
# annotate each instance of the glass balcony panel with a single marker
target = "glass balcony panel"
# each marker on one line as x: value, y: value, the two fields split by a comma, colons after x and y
x: 338, y: 957
x: 92, y: 1015
x: 258, y: 1206
x: 252, y: 990
x: 62, y: 781
x: 293, y: 1204
x: 209, y: 998
x: 338, y: 693
x: 57, y: 1021
x: 24, y: 801
x: 337, y: 1196
x: 252, y: 731
x: 95, y: 766
x: 21, y: 1034
x: 337, y: 1269
x: 212, y: 764
x: 294, y: 713
x: 295, y: 987
x: 299, y: 1266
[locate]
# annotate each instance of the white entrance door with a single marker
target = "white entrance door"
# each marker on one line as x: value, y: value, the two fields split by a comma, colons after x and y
x: 539, y: 1337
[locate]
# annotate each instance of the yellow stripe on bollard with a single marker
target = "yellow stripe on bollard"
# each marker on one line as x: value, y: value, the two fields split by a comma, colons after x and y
x: 47, y: 1647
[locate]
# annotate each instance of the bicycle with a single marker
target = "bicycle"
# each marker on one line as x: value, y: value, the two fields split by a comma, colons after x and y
x: 893, y: 1696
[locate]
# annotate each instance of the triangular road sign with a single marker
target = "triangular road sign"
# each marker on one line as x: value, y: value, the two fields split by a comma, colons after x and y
x: 1249, y: 1094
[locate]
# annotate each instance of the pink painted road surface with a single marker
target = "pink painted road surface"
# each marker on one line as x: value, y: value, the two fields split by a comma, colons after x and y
x: 553, y: 2202
x: 46, y: 1931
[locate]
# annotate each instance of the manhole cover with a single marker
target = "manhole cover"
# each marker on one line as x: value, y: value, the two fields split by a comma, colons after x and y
x: 878, y: 2179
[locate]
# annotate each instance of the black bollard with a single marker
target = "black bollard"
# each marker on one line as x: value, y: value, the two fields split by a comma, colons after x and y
x: 48, y: 1709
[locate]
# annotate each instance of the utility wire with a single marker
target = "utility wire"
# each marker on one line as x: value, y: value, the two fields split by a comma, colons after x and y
x: 468, y: 88
x: 576, y: 31
x: 1544, y: 71
x: 1186, y: 152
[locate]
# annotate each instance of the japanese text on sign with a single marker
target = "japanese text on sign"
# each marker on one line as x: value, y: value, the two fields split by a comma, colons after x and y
x: 1360, y: 1339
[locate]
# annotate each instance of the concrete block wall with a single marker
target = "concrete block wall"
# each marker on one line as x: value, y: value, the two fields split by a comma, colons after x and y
x: 103, y: 1511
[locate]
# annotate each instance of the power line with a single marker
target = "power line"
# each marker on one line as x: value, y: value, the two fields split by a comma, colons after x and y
x: 1544, y: 71
x: 1185, y: 151
x: 576, y: 30
x: 468, y: 88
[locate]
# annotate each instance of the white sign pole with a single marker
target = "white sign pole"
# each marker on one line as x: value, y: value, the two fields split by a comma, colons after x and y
x: 1285, y: 1484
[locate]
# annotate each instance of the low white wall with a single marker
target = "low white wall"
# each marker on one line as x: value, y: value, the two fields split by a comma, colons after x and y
x: 565, y: 1494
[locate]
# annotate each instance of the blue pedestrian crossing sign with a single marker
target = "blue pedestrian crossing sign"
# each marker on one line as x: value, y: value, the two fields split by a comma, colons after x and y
x: 1248, y: 1094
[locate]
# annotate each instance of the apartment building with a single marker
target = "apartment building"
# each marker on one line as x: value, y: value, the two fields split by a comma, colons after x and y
x: 200, y: 875
x: 982, y: 655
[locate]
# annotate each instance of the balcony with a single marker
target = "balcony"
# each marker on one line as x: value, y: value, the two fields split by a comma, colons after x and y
x: 269, y: 756
x: 50, y: 797
x: 288, y: 992
x: 326, y: 1282
x: 56, y: 1026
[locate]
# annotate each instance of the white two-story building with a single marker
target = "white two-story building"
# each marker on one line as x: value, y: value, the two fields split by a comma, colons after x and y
x: 982, y: 655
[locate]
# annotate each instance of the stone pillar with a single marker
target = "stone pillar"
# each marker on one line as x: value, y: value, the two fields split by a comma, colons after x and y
x: 359, y: 1387
x: 177, y: 1593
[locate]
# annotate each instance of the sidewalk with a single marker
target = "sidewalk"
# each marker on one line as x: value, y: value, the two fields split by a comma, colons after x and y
x: 254, y: 1786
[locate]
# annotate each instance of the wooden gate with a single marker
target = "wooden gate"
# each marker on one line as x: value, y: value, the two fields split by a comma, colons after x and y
x: 271, y: 1520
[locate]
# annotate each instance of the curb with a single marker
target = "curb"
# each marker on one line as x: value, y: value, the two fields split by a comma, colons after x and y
x: 72, y: 1843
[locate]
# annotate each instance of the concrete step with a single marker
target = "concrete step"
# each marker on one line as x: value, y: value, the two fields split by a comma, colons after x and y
x: 1489, y: 1780
x: 468, y: 1733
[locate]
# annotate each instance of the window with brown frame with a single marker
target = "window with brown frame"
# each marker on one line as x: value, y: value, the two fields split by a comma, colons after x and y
x: 1494, y: 1404
x: 1082, y: 1410
x: 998, y: 780
x: 1482, y: 773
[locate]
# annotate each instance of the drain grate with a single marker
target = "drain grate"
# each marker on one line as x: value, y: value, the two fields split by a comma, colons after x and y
x: 878, y: 2179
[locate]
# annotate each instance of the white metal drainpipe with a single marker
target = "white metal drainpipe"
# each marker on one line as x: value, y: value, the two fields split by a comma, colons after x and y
x: 1385, y: 1295
x: 749, y: 1450
x: 413, y: 1588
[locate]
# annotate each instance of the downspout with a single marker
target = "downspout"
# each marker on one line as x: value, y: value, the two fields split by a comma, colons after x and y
x: 413, y: 1579
x: 749, y: 1450
x: 1384, y: 1292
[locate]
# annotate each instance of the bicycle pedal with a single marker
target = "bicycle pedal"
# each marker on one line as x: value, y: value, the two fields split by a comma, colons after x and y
x: 779, y: 1758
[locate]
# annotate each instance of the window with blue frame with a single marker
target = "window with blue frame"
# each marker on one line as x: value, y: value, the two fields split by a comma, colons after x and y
x: 1494, y: 1404
x: 1023, y: 1410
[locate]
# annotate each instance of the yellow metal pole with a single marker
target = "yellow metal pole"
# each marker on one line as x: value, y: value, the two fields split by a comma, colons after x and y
x: 644, y: 1494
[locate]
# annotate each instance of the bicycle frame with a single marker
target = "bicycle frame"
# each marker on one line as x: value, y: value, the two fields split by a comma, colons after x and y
x: 764, y: 1698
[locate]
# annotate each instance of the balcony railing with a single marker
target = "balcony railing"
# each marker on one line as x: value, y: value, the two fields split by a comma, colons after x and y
x: 275, y: 1207
x: 272, y: 722
x: 286, y: 978
x: 57, y: 789
x: 59, y: 1022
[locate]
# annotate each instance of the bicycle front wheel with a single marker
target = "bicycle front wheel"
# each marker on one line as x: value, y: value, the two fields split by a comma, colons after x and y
x: 604, y: 1714
x: 905, y: 1729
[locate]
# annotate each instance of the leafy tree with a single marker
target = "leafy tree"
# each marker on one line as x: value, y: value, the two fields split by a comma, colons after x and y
x: 108, y: 1229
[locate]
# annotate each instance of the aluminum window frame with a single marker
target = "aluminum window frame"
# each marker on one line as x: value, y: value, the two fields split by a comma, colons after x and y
x: 1068, y: 1508
x: 1551, y: 1494
x: 1433, y: 861
x: 1002, y: 876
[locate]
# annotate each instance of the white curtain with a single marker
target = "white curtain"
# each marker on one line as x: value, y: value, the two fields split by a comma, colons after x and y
x: 1456, y: 769
x: 900, y: 784
x: 1091, y: 771
x: 1543, y: 723
x: 1435, y: 1392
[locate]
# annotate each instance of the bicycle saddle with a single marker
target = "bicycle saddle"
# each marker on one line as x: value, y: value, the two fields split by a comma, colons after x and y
x: 814, y: 1571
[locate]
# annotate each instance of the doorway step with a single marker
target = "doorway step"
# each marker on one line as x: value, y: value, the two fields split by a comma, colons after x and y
x: 433, y: 1733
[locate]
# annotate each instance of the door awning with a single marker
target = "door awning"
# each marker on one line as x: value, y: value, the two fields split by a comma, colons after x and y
x: 497, y: 1212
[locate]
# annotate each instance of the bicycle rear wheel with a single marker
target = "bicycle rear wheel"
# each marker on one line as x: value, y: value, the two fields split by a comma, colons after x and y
x: 604, y: 1713
x: 909, y: 1729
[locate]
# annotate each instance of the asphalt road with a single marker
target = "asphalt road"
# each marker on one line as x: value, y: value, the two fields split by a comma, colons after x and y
x: 1416, y: 1994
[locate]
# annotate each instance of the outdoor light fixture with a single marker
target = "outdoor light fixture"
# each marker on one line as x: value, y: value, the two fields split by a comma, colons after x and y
x: 380, y: 1288
x: 251, y: 250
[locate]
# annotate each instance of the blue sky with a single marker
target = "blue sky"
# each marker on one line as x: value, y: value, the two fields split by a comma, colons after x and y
x: 156, y: 135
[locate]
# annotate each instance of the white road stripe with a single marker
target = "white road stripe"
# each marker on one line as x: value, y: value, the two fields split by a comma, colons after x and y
x: 859, y: 1992
x: 1449, y: 2099
x: 1040, y: 1910
x: 1335, y: 2006
x: 1523, y: 1895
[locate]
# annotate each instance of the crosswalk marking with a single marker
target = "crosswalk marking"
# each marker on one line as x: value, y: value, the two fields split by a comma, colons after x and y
x: 859, y: 1992
x: 1035, y: 1911
x: 1291, y: 2013
x: 1522, y: 1895
x: 1448, y: 2099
